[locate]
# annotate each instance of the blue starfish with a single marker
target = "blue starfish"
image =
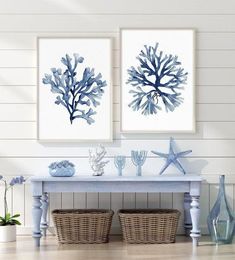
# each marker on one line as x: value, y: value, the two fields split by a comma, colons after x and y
x: 172, y: 157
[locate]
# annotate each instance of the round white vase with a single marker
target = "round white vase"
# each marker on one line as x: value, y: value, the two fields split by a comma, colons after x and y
x: 7, y: 233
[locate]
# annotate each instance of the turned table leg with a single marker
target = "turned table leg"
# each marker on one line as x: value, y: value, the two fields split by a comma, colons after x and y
x: 37, y: 214
x: 44, y: 223
x: 195, y: 216
x: 187, y: 216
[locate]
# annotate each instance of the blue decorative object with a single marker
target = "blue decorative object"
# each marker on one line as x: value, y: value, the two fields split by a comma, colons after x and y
x: 221, y: 220
x: 119, y: 162
x: 61, y: 169
x: 172, y: 157
x: 157, y: 81
x: 79, y: 97
x: 8, y: 219
x: 16, y: 180
x: 138, y: 159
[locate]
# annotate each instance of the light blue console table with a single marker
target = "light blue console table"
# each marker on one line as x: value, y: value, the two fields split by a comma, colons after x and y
x: 188, y: 184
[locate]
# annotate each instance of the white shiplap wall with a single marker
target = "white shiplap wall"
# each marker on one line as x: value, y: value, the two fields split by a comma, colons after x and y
x: 213, y: 144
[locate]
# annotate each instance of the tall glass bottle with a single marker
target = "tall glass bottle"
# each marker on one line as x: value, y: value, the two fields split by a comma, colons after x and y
x: 221, y: 220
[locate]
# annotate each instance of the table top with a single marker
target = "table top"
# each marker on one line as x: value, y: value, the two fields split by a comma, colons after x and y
x: 109, y: 178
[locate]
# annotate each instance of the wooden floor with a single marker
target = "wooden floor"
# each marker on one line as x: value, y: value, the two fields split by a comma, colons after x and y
x: 24, y: 249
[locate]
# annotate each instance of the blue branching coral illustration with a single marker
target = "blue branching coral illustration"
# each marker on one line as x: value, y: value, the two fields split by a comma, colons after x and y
x: 79, y: 97
x: 156, y: 81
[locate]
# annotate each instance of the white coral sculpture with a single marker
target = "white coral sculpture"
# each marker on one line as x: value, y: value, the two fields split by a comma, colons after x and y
x: 96, y: 160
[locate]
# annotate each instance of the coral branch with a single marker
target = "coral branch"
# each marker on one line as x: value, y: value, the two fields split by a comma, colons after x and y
x: 78, y: 97
x: 156, y: 81
x: 96, y: 160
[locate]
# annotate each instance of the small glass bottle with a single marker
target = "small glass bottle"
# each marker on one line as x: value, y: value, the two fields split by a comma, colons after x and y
x: 221, y: 220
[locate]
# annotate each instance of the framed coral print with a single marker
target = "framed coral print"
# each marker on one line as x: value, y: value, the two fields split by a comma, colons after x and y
x: 74, y: 89
x: 157, y: 80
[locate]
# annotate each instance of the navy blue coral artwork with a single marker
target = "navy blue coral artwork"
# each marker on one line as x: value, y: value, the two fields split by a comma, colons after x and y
x: 74, y: 89
x: 157, y: 80
x: 78, y: 94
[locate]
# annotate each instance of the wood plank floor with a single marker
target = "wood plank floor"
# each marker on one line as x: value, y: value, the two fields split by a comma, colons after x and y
x: 24, y: 249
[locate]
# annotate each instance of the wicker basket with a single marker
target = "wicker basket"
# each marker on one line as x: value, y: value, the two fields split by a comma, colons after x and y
x: 85, y: 226
x: 149, y: 226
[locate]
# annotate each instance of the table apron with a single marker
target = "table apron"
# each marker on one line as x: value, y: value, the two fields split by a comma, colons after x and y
x: 114, y: 186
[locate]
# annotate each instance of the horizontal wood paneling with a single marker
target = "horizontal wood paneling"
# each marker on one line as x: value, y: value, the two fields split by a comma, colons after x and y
x: 18, y: 76
x: 216, y: 58
x: 209, y: 41
x: 215, y: 76
x: 18, y: 130
x: 109, y: 22
x: 104, y: 7
x: 204, y: 112
x: 18, y: 58
x: 18, y: 94
x: 216, y: 94
x: 213, y: 143
x: 18, y: 112
x: 205, y: 130
x: 216, y: 112
x: 32, y: 148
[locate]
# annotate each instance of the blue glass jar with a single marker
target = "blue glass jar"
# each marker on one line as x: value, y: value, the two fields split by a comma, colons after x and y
x: 221, y: 220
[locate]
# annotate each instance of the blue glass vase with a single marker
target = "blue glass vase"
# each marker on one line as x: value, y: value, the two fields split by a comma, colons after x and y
x: 221, y: 220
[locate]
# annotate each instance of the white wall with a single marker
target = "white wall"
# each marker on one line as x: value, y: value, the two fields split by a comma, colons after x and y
x: 214, y: 143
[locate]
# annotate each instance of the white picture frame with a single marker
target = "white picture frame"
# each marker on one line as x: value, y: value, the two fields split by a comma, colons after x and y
x: 145, y: 106
x: 74, y: 108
